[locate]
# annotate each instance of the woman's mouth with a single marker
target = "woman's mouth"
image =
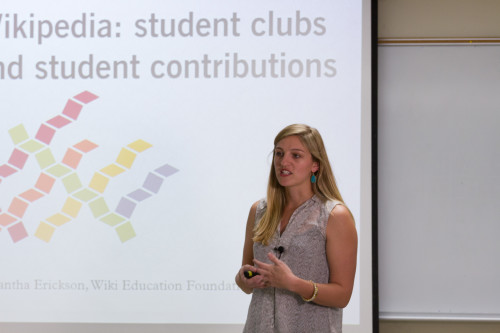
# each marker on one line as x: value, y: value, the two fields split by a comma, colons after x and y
x: 285, y: 173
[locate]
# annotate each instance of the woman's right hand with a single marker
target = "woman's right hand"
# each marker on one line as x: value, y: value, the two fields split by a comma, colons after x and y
x: 247, y: 284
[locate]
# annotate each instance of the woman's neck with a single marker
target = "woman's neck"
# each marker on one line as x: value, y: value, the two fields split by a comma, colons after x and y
x: 296, y: 198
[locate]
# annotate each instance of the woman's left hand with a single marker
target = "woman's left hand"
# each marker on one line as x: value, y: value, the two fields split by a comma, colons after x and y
x: 277, y: 274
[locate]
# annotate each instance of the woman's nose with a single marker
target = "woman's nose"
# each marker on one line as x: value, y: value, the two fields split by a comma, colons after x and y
x: 285, y: 160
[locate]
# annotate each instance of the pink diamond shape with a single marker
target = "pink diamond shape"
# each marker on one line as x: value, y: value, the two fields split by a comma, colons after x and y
x: 59, y: 121
x: 45, y: 134
x: 18, y: 207
x: 18, y: 159
x: 6, y: 219
x: 85, y: 146
x: 6, y: 170
x: 31, y: 195
x: 86, y: 97
x: 72, y: 158
x: 45, y: 183
x: 18, y: 232
x: 72, y: 109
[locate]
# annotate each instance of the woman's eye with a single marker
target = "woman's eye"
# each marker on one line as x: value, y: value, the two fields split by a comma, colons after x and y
x: 296, y: 156
x: 278, y: 153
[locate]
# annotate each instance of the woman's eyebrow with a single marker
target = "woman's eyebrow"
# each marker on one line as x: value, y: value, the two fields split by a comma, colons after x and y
x: 292, y: 149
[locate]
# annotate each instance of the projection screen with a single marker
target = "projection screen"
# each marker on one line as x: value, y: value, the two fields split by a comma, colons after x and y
x: 135, y: 135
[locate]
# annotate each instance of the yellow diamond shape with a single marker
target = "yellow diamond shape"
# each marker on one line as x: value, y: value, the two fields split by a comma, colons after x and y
x: 125, y: 231
x: 72, y: 183
x: 18, y: 134
x: 99, y: 182
x: 58, y: 219
x: 140, y: 145
x: 85, y: 195
x: 45, y: 158
x: 98, y: 207
x: 44, y: 231
x: 32, y: 146
x: 112, y: 219
x: 112, y: 170
x: 126, y: 158
x: 58, y: 170
x: 72, y: 207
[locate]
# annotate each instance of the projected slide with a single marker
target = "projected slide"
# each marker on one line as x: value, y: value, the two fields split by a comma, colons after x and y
x: 135, y: 135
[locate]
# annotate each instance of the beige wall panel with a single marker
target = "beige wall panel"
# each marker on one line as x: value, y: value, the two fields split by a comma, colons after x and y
x: 388, y: 326
x: 439, y: 18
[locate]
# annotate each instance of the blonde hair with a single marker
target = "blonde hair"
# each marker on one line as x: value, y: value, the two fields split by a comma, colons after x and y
x: 325, y: 186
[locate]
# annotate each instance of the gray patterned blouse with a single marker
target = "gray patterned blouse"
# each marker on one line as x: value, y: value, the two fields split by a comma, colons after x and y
x: 303, y: 249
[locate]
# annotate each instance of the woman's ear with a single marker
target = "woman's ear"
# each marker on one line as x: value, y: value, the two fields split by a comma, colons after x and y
x: 315, y: 167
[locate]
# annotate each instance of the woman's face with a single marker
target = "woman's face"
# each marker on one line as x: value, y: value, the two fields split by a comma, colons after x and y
x: 293, y: 163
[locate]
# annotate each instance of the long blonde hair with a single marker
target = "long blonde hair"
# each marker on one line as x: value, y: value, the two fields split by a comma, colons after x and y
x: 325, y: 186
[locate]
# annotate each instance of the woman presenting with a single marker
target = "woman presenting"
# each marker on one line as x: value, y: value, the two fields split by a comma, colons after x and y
x: 299, y: 256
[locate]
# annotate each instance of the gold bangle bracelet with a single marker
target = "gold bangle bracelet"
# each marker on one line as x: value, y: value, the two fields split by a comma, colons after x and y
x: 315, y: 293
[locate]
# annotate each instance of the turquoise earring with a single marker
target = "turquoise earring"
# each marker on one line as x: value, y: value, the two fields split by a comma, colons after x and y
x: 313, y: 178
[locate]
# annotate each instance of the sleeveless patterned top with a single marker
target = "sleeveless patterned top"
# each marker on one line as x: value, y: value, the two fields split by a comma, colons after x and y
x: 304, y: 251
